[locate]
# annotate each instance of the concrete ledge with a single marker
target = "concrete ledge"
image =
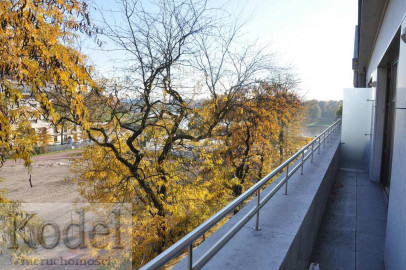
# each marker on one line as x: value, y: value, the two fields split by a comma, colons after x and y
x: 289, y: 223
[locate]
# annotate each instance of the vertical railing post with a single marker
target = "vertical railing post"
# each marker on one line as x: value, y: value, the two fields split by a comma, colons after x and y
x: 312, y: 150
x: 190, y: 257
x: 328, y: 134
x: 257, y: 228
x: 286, y: 183
x: 301, y: 172
x: 331, y: 132
x: 318, y: 150
x: 324, y: 140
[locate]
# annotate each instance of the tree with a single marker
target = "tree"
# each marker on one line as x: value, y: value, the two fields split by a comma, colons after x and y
x: 322, y: 111
x: 154, y: 145
x: 44, y: 138
x: 37, y: 58
x: 259, y: 133
x: 314, y: 111
x: 339, y: 112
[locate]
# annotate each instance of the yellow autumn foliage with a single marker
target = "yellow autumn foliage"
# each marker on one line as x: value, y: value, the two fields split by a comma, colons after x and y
x: 37, y: 60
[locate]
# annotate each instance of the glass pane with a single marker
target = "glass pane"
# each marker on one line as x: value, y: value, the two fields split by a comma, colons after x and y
x: 356, y: 128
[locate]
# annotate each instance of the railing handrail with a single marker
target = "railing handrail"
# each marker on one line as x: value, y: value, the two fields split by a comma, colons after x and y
x: 188, y: 240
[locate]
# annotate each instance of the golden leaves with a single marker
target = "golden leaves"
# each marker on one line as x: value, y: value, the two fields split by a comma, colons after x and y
x: 35, y: 57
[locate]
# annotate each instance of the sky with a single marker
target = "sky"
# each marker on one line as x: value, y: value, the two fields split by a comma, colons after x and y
x: 313, y: 37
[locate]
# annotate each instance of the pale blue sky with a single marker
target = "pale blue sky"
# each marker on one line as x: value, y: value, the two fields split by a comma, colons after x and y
x: 314, y: 37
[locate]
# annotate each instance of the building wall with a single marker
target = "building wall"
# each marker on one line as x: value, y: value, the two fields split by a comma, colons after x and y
x: 395, y: 245
x: 75, y: 133
x: 56, y: 133
x: 379, y: 118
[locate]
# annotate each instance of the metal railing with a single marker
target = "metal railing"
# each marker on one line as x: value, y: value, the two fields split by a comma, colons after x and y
x: 187, y: 241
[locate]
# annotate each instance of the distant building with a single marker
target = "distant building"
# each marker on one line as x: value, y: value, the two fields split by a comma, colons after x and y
x: 58, y: 135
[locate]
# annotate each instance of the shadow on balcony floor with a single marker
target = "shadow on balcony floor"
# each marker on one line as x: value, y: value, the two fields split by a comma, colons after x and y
x: 352, y: 235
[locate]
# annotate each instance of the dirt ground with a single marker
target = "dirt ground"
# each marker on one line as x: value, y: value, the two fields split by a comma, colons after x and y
x: 48, y: 179
x: 54, y: 201
x: 50, y: 189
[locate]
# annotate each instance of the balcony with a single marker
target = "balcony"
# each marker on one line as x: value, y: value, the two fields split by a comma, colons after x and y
x: 313, y: 213
x: 352, y: 235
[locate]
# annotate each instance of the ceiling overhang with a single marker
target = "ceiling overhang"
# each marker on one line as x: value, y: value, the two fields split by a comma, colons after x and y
x: 372, y: 12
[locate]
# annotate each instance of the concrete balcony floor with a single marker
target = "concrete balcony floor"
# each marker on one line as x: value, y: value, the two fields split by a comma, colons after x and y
x: 352, y: 234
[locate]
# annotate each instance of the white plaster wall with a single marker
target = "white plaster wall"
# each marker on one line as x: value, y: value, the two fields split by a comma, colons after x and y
x: 372, y: 147
x: 395, y: 245
x: 378, y: 125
